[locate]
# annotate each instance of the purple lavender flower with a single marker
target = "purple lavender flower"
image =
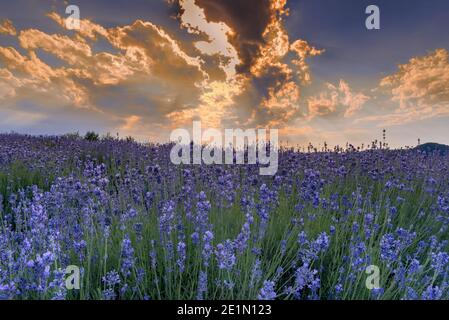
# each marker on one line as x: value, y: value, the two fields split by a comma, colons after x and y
x: 256, y: 273
x: 268, y: 291
x: 202, y: 285
x: 207, y: 247
x: 410, y: 294
x: 181, y: 249
x: 389, y: 248
x: 111, y: 279
x: 167, y: 217
x: 439, y: 261
x: 127, y: 257
x: 305, y: 277
x: 93, y: 194
x: 432, y: 293
x: 225, y: 255
x: 359, y: 256
x: 414, y: 267
x: 153, y: 256
x: 241, y: 242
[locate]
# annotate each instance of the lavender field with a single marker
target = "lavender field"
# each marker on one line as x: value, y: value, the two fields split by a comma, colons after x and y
x: 140, y: 227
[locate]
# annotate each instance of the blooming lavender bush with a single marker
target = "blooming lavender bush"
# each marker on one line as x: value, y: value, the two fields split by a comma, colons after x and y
x: 139, y: 227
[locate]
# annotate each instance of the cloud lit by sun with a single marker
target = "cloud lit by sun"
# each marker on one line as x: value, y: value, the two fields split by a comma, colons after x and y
x: 226, y: 63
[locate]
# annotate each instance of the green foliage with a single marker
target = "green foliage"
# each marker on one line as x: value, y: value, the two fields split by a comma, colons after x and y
x: 91, y: 136
x: 73, y: 136
x: 130, y: 139
x: 429, y: 148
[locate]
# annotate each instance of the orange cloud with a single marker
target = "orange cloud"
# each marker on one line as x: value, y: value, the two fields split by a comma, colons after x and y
x: 216, y: 42
x: 419, y: 90
x: 303, y: 51
x: 335, y: 100
x: 6, y: 27
x: 87, y: 29
x: 33, y: 76
x: 8, y: 84
x: 151, y: 78
x: 253, y: 50
x: 147, y: 55
x: 421, y: 87
x: 63, y: 47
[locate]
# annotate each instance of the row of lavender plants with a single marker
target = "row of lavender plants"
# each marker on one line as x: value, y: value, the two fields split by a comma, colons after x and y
x: 139, y: 227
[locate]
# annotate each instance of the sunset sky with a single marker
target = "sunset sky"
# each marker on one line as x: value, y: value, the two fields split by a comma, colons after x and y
x: 309, y: 68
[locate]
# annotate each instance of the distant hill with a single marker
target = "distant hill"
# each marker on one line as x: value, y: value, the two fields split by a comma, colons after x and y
x: 433, y: 147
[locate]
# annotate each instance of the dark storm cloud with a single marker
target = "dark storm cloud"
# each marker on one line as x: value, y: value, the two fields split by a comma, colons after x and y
x: 248, y: 19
